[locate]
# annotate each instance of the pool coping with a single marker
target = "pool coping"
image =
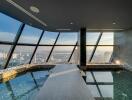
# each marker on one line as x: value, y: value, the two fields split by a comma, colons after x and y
x: 10, y: 73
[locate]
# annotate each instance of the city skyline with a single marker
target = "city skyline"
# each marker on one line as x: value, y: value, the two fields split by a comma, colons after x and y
x: 31, y: 35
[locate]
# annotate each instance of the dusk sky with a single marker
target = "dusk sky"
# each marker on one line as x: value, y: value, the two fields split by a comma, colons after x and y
x: 10, y: 26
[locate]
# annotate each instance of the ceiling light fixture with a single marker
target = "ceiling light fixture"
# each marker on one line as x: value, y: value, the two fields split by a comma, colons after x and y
x: 34, y: 9
x: 71, y: 23
x: 26, y: 12
x: 114, y: 23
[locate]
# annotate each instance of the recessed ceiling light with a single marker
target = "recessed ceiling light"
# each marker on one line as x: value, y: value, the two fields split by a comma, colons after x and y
x: 22, y: 9
x: 71, y: 23
x: 114, y: 23
x: 34, y: 9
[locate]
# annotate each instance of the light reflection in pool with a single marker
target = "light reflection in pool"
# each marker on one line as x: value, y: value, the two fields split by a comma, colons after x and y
x: 23, y: 87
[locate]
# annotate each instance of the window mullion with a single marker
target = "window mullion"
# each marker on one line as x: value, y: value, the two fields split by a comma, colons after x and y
x: 53, y: 47
x: 36, y: 47
x: 14, y: 45
x: 95, y: 47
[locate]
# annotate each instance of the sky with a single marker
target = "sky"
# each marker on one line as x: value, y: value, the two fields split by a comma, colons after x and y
x: 10, y: 26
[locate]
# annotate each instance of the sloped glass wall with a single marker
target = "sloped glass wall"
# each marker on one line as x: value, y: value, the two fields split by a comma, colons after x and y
x: 21, y: 55
x: 100, y: 47
x: 67, y: 39
x: 43, y: 47
x: 49, y: 38
x: 4, y: 49
x: 61, y: 54
x: 8, y: 28
x: 30, y: 35
x: 54, y: 47
x: 41, y: 54
x: 8, y: 31
x: 102, y: 54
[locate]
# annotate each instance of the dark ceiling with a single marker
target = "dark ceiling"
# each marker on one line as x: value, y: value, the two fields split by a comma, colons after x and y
x: 58, y: 14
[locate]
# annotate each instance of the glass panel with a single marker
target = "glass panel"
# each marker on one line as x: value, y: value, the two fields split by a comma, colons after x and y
x: 89, y: 52
x: 49, y: 38
x: 67, y: 38
x: 103, y: 76
x: 107, y: 38
x: 41, y: 54
x: 102, y: 54
x: 30, y: 35
x: 4, y: 49
x: 75, y: 57
x: 61, y: 54
x: 21, y: 55
x: 8, y: 28
x: 92, y: 38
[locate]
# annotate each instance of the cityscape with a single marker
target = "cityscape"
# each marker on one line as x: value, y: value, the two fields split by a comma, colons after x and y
x: 60, y: 54
x: 19, y: 58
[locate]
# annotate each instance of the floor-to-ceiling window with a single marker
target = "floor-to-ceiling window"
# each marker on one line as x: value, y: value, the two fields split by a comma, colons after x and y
x: 53, y: 48
x: 25, y: 46
x: 99, y: 51
x: 8, y: 31
x: 99, y: 47
x: 33, y: 45
x: 56, y: 47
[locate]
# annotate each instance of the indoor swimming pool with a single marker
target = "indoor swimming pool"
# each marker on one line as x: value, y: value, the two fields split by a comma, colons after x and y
x: 23, y: 87
x: 103, y: 85
x: 110, y: 85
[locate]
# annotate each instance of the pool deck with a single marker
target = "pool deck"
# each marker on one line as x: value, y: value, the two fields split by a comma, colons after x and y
x: 64, y: 83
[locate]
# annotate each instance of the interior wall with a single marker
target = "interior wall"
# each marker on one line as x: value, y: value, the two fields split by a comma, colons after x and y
x: 123, y: 51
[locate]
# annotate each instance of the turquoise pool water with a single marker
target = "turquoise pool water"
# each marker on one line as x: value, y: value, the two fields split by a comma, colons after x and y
x: 103, y: 85
x: 110, y: 85
x: 23, y: 87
